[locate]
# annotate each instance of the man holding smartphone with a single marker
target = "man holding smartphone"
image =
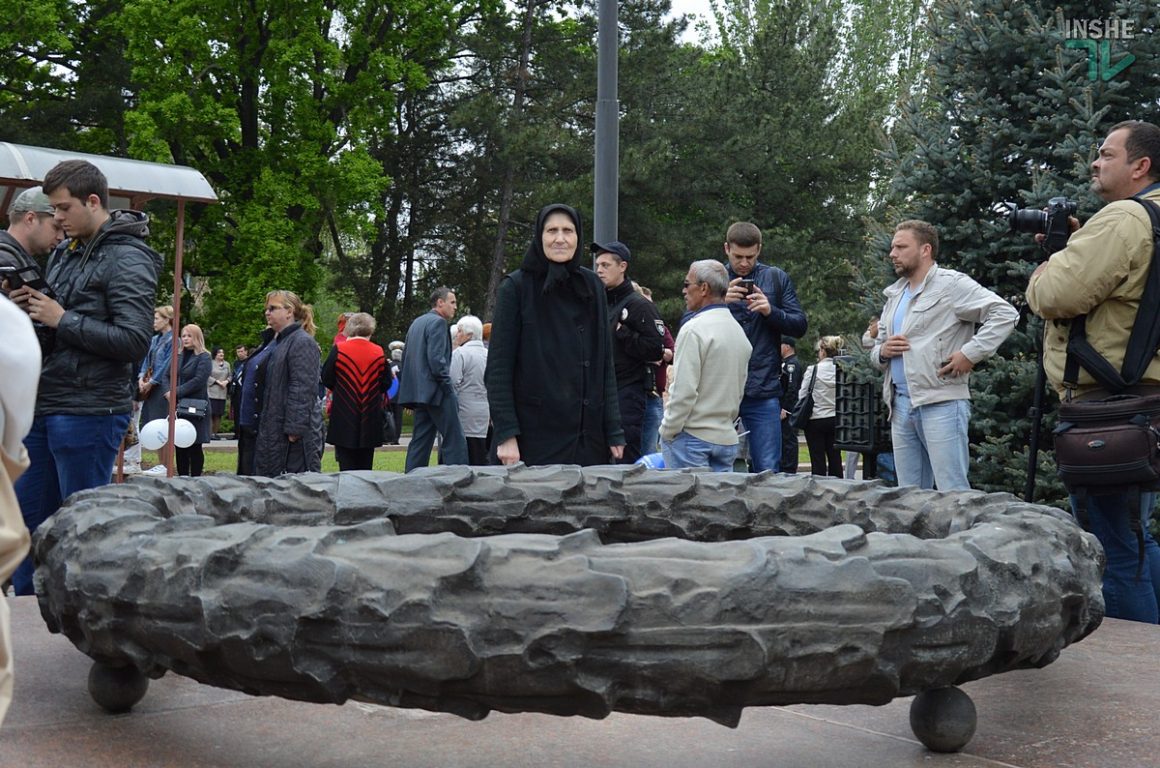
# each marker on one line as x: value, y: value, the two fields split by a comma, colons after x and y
x: 763, y: 300
x: 103, y: 284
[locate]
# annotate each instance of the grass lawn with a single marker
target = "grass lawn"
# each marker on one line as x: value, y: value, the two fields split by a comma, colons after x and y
x: 225, y: 460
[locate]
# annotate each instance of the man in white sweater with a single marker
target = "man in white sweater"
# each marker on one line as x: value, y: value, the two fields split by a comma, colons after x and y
x: 707, y: 378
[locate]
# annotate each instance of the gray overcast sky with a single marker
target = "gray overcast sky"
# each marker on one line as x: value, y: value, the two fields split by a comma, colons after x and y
x: 693, y: 7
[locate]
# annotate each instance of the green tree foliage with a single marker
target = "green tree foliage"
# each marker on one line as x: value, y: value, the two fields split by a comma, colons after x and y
x: 1009, y: 113
x: 366, y: 152
x: 291, y: 111
x: 798, y: 98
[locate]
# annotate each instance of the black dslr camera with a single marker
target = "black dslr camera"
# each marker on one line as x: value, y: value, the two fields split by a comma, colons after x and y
x: 1052, y: 222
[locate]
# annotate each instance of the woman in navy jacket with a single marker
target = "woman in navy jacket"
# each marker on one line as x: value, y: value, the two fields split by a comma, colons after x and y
x: 193, y: 367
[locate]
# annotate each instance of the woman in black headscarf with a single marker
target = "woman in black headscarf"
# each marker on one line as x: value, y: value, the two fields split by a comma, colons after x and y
x: 551, y: 387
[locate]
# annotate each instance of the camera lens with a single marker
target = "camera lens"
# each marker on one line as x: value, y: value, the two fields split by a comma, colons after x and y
x: 1028, y: 220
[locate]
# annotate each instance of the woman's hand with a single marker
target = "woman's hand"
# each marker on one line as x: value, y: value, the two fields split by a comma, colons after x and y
x: 508, y: 452
x: 617, y: 451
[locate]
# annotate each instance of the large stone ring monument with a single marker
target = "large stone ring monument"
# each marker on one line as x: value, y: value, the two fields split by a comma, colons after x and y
x: 567, y: 591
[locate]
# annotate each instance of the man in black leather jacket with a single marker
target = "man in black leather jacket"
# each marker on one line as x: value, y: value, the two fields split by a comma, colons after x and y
x: 103, y: 281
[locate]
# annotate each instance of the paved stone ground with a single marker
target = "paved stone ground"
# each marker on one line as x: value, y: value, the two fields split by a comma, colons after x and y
x: 1097, y: 706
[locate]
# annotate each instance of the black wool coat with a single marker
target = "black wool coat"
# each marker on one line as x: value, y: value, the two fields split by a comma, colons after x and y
x: 550, y: 376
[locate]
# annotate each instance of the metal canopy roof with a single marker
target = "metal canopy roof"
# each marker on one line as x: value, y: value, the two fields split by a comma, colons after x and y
x: 132, y: 181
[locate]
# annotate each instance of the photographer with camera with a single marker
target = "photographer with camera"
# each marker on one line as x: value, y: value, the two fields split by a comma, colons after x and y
x: 1101, y: 273
x: 927, y: 344
x: 103, y: 281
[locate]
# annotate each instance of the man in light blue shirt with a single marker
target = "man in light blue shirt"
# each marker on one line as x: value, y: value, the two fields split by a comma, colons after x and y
x: 927, y: 345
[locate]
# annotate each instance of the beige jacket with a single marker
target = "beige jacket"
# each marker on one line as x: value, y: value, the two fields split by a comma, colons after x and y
x: 707, y: 380
x: 1101, y: 272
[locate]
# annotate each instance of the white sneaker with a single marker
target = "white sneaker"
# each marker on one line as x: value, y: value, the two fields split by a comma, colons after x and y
x: 131, y: 469
x: 159, y: 471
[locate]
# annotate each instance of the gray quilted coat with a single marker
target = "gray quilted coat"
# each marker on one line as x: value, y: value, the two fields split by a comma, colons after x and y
x: 288, y: 405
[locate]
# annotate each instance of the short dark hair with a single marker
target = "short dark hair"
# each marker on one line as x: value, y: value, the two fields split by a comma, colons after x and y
x: 744, y: 234
x: 1143, y: 141
x: 440, y: 293
x: 924, y: 232
x: 80, y: 177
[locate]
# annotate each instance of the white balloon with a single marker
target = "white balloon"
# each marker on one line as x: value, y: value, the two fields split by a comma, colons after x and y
x: 184, y: 433
x: 154, y: 434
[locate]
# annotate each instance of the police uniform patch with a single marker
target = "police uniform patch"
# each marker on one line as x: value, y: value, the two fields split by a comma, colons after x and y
x: 660, y: 324
x: 624, y: 314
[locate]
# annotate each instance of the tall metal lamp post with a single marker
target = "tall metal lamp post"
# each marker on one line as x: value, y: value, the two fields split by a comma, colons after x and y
x: 607, y: 171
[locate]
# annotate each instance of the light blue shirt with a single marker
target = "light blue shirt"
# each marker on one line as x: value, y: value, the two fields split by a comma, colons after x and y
x: 897, y: 366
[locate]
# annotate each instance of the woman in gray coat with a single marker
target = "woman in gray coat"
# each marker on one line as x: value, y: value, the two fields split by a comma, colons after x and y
x: 289, y: 420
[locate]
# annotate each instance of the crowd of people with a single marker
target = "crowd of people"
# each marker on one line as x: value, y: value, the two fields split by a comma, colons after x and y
x: 576, y: 367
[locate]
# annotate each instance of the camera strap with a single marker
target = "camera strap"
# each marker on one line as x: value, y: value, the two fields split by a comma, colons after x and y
x: 1143, y: 341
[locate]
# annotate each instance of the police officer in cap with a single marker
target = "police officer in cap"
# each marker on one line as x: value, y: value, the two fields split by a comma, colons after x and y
x: 638, y: 336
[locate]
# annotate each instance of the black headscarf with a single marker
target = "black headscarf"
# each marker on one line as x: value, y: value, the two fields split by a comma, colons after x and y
x: 536, y: 262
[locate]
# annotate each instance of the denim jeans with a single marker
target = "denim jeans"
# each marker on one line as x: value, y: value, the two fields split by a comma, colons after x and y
x: 930, y: 443
x: 761, y: 417
x: 67, y: 454
x: 650, y: 430
x: 1125, y: 595
x: 684, y: 450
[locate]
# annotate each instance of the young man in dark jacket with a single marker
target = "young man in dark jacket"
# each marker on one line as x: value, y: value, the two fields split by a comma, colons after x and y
x: 637, y: 341
x: 763, y: 300
x: 103, y: 282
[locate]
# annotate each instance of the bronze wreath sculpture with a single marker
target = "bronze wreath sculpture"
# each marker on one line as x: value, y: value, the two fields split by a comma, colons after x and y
x: 565, y: 590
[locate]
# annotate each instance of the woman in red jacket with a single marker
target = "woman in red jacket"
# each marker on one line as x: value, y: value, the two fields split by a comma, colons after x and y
x: 358, y: 376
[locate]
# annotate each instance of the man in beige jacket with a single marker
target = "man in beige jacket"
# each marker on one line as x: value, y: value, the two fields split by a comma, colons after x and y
x: 707, y: 381
x: 1101, y: 274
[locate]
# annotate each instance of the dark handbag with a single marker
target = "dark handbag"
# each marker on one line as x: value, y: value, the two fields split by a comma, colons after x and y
x: 1110, y: 445
x: 805, y: 406
x: 138, y: 395
x: 192, y: 406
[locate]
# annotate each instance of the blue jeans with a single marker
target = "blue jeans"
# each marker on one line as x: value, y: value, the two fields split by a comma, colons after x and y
x: 930, y: 444
x: 67, y: 454
x: 650, y: 430
x: 761, y: 417
x: 684, y: 450
x: 1125, y: 595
